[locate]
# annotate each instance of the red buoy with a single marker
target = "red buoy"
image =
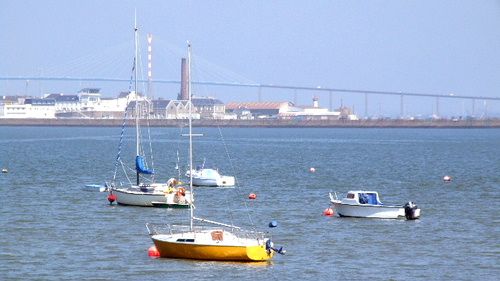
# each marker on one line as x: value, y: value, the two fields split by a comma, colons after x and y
x: 111, y: 198
x: 328, y: 212
x: 153, y: 252
x: 252, y: 196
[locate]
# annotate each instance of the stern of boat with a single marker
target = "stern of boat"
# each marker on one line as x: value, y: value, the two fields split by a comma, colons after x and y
x: 259, y: 253
x: 225, y: 181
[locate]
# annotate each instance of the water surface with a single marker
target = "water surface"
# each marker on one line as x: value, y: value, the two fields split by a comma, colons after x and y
x: 51, y: 230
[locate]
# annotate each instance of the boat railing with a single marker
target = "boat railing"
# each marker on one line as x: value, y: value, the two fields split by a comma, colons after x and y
x: 332, y: 196
x: 249, y: 234
x: 171, y: 229
x: 158, y: 228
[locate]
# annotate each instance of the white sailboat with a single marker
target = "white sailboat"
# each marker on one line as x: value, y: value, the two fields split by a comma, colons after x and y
x: 204, y: 239
x: 140, y: 193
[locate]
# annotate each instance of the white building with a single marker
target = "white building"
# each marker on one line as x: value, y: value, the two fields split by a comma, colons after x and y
x: 179, y: 109
x: 315, y: 112
x: 90, y: 98
x: 87, y: 103
x: 65, y: 103
x: 209, y: 107
x: 250, y: 110
x: 172, y: 109
x: 32, y: 108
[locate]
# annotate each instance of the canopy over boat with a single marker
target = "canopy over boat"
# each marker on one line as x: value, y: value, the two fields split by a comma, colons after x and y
x: 362, y: 197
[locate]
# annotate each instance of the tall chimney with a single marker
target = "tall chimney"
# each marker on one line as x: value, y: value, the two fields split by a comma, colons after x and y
x: 184, y: 81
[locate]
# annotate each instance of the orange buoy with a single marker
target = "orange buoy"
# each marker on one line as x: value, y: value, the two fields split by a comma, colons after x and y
x: 153, y: 252
x: 252, y: 196
x: 111, y: 198
x: 312, y: 170
x: 328, y: 212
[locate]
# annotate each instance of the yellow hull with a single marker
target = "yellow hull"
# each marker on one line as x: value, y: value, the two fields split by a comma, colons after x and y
x: 212, y: 252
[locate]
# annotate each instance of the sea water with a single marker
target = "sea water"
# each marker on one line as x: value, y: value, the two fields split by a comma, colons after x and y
x: 51, y: 229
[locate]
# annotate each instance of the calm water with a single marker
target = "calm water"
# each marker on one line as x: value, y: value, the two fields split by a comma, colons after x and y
x: 52, y: 230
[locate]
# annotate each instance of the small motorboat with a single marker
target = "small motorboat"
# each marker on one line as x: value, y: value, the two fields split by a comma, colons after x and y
x: 5, y: 171
x: 210, y: 177
x: 367, y: 204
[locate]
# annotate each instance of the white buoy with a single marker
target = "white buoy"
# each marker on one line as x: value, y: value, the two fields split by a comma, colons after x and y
x: 312, y: 170
x: 447, y: 178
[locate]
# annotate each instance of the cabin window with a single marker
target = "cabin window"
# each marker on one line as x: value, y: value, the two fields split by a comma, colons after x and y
x: 368, y: 198
x: 185, y: 240
x: 363, y: 198
x: 350, y: 195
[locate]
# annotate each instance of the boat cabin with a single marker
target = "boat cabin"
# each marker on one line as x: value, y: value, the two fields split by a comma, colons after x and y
x: 362, y: 198
x: 209, y: 173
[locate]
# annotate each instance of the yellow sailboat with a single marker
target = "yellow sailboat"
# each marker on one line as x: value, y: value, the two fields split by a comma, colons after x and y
x: 204, y: 239
x: 219, y: 242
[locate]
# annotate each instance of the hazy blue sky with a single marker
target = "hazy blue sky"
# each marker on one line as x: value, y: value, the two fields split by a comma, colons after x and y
x: 410, y: 46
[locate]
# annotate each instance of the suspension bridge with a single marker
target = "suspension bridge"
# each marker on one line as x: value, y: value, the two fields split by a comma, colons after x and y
x: 438, y: 97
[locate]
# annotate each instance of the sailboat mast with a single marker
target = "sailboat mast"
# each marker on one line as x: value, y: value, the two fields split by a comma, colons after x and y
x: 190, y: 138
x: 135, y: 92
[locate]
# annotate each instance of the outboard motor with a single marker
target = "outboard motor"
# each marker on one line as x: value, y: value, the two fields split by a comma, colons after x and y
x: 411, y: 211
x: 270, y: 247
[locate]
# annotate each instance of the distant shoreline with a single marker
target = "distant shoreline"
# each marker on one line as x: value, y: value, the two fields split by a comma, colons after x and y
x: 264, y: 123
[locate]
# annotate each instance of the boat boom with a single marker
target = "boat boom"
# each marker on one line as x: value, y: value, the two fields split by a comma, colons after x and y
x: 216, y: 223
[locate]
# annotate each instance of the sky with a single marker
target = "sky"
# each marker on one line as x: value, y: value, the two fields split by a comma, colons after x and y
x: 420, y: 46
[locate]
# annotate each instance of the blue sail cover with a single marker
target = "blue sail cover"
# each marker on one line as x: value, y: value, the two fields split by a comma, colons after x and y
x: 140, y: 166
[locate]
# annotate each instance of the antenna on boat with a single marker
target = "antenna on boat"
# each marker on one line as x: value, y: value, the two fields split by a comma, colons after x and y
x: 190, y: 138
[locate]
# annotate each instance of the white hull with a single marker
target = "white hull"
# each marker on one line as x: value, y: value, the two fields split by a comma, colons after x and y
x: 222, y: 181
x: 368, y: 211
x: 135, y: 197
x: 210, y: 177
